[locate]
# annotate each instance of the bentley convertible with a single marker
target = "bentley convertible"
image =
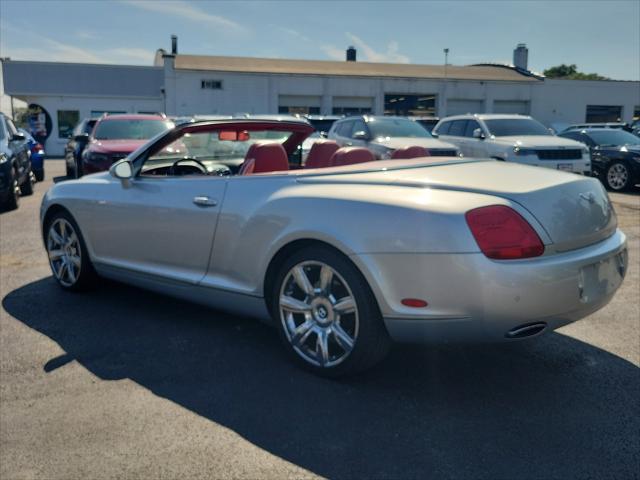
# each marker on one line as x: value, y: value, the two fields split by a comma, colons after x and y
x: 344, y: 254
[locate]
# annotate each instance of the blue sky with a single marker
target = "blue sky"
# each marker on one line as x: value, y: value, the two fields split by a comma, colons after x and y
x: 598, y: 36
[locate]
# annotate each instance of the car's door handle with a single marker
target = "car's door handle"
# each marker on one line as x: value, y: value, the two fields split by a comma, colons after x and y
x: 204, y: 201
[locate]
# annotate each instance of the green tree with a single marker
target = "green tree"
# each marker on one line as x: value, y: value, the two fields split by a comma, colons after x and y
x: 570, y: 72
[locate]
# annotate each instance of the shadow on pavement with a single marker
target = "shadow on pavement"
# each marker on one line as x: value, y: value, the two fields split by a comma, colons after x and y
x: 553, y: 408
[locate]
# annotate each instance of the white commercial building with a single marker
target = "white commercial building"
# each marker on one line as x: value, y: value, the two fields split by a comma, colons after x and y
x: 190, y: 85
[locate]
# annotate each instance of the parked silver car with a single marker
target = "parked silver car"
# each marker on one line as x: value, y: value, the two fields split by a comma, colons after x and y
x: 384, y: 135
x: 342, y: 259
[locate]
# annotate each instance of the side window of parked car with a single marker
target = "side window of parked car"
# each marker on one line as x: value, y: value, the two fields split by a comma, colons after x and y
x: 358, y: 126
x: 457, y: 128
x: 344, y: 129
x: 11, y: 128
x: 471, y: 126
x: 443, y: 129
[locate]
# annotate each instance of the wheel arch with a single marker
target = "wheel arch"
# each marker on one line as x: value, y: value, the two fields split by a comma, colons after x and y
x: 52, y: 210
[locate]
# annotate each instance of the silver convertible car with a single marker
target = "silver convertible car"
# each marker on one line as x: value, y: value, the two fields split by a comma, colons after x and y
x: 346, y: 258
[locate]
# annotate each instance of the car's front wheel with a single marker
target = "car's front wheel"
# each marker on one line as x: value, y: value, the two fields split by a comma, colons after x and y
x: 327, y: 315
x: 12, y: 199
x: 67, y: 252
x: 618, y: 177
x: 26, y: 188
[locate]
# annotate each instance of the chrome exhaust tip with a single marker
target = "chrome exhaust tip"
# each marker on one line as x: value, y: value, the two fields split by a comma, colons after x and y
x: 528, y: 330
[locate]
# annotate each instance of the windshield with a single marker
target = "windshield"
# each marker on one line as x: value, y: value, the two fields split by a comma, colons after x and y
x: 321, y: 125
x: 507, y: 127
x: 613, y: 137
x: 396, y: 127
x: 207, y: 146
x: 130, y: 129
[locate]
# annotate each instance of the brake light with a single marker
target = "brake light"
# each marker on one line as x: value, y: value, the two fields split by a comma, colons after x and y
x: 502, y: 233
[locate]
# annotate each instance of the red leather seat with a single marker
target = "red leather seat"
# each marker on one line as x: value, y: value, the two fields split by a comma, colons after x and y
x: 265, y: 157
x: 350, y: 156
x: 320, y: 154
x: 410, y: 152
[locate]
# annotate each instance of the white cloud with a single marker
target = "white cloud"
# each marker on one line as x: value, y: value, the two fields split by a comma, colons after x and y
x: 334, y: 53
x: 187, y: 11
x: 61, y: 52
x: 391, y: 55
x: 86, y: 35
x: 292, y: 33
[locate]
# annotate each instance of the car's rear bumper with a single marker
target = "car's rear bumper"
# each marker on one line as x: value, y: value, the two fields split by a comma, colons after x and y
x: 473, y: 298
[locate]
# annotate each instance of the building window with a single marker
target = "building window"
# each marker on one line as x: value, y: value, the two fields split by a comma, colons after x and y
x: 603, y: 113
x: 410, y: 105
x: 292, y: 110
x: 299, y: 104
x: 352, y: 105
x: 211, y: 84
x: 67, y: 119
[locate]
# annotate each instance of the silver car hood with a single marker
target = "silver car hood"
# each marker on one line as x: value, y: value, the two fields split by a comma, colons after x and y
x: 538, y: 141
x: 400, y: 142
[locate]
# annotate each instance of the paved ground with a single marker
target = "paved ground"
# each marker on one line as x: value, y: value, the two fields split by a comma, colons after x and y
x: 121, y: 383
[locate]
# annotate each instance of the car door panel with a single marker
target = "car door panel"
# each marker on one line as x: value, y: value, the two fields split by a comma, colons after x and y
x: 156, y: 225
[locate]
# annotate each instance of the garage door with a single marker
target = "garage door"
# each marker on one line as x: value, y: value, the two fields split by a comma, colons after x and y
x: 458, y: 106
x: 302, y: 104
x: 511, y: 106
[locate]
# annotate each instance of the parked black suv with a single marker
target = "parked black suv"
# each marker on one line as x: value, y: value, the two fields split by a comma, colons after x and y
x: 615, y: 155
x: 16, y: 177
x: 76, y: 145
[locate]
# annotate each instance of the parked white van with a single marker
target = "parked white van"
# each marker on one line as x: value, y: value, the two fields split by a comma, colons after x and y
x: 513, y: 138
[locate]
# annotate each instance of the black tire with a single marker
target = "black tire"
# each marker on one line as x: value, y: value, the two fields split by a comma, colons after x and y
x: 78, y: 169
x: 617, y: 177
x: 39, y: 175
x: 69, y: 172
x: 86, y: 276
x: 26, y: 188
x: 12, y: 199
x: 372, y: 341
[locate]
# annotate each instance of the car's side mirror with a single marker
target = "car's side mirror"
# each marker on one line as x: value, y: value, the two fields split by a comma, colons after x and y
x: 360, y: 135
x: 122, y: 170
x: 83, y: 137
x: 478, y: 133
x: 434, y: 135
x: 324, y: 135
x: 18, y: 137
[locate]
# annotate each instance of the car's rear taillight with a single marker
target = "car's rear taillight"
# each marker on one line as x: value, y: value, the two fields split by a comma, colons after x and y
x: 503, y: 234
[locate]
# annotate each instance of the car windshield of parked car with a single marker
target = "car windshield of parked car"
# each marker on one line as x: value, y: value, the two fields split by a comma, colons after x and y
x: 396, y: 127
x: 207, y: 146
x: 613, y: 137
x: 130, y: 129
x: 507, y: 127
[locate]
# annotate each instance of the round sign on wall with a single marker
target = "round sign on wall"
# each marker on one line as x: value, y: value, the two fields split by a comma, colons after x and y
x: 39, y: 122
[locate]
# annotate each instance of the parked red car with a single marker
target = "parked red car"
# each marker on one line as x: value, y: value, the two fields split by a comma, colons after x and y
x: 116, y: 136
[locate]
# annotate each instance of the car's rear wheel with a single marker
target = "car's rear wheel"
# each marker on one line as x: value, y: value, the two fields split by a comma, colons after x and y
x: 78, y: 170
x: 326, y: 313
x: 67, y: 252
x: 618, y: 177
x: 39, y: 174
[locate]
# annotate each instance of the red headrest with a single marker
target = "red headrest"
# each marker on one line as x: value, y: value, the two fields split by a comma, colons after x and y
x: 410, y: 152
x: 320, y: 154
x: 351, y: 155
x: 265, y: 157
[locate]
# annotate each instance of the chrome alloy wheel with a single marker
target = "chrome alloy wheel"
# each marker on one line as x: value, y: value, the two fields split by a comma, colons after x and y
x: 617, y: 176
x: 319, y: 313
x: 64, y: 252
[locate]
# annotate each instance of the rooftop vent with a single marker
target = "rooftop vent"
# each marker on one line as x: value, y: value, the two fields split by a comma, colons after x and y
x: 351, y: 54
x: 174, y: 44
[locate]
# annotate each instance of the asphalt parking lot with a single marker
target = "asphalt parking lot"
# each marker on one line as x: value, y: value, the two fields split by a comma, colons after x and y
x: 122, y: 383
